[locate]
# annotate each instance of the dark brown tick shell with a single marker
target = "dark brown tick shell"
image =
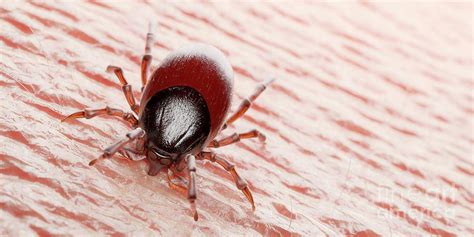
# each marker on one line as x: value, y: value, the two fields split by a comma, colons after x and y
x: 185, y: 80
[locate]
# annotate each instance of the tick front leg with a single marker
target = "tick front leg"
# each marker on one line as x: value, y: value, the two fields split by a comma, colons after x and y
x: 237, y: 137
x: 147, y: 57
x: 245, y: 105
x: 132, y: 154
x: 175, y: 186
x: 192, y: 191
x: 111, y: 150
x: 127, y: 89
x: 239, y: 182
x: 90, y: 113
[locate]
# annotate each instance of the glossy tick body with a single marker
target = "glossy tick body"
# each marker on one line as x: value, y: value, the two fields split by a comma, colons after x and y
x: 184, y: 104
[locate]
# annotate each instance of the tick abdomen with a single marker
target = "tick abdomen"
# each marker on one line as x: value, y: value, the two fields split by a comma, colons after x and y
x: 176, y: 119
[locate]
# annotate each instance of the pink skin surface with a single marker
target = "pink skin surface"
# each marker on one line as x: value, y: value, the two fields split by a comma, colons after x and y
x: 369, y: 125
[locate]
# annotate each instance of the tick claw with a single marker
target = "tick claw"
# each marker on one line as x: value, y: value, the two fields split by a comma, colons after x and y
x: 262, y: 138
x: 92, y: 162
x: 249, y: 197
x: 65, y: 118
x: 80, y: 114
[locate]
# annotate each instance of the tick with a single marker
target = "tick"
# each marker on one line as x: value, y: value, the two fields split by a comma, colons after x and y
x: 184, y: 105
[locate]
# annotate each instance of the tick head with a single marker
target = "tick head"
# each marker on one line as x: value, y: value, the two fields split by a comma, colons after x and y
x: 160, y: 156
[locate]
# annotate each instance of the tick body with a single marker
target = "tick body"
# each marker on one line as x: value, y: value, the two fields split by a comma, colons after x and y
x: 184, y: 105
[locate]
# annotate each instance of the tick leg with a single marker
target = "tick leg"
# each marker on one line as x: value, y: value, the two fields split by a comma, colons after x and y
x: 135, y: 151
x: 111, y: 150
x: 131, y: 154
x: 90, y: 113
x: 147, y: 57
x: 240, y: 183
x: 175, y: 186
x: 246, y: 103
x: 192, y: 192
x: 127, y: 89
x: 237, y: 137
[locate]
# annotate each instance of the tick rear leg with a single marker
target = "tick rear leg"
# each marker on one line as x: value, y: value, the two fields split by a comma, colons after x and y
x: 192, y: 192
x: 236, y: 137
x: 127, y: 89
x: 90, y: 113
x: 239, y: 182
x: 246, y: 103
x: 147, y: 57
x: 111, y: 150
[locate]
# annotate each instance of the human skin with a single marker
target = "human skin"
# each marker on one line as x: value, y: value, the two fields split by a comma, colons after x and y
x: 369, y: 125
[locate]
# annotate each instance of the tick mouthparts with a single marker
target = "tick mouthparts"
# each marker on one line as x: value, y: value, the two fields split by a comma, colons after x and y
x: 154, y: 168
